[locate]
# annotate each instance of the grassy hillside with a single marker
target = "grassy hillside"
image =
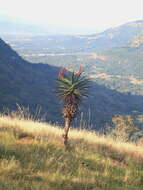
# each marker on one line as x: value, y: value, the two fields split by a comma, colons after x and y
x: 32, y: 157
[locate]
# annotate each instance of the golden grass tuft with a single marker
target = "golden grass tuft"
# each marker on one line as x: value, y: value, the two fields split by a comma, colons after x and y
x: 32, y: 156
x: 104, y: 144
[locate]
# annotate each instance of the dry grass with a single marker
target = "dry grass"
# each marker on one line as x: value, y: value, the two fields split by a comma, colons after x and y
x: 32, y: 156
x: 92, y: 139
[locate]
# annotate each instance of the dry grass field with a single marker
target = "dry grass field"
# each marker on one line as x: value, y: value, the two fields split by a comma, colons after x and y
x: 33, y: 157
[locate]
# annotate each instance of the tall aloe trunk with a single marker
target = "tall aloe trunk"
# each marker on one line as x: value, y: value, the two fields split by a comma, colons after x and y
x: 71, y: 89
x: 66, y: 130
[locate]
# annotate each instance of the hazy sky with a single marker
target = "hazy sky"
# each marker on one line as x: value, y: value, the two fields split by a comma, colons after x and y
x: 89, y: 14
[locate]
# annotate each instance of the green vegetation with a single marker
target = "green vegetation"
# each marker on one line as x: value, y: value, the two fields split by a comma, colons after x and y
x: 33, y: 157
x: 32, y: 85
x: 27, y: 84
x: 72, y: 88
x: 116, y: 73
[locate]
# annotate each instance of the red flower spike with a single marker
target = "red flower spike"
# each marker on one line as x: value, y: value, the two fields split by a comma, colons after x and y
x: 80, y: 70
x: 61, y: 73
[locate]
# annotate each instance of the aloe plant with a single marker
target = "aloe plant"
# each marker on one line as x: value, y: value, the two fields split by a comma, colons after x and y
x: 72, y: 88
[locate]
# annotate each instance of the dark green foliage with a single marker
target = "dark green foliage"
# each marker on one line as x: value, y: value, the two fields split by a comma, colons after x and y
x: 33, y: 85
x: 72, y: 87
x: 26, y: 84
x: 73, y: 83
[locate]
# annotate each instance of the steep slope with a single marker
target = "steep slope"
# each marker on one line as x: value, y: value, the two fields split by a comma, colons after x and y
x: 122, y: 68
x: 114, y: 37
x: 32, y: 156
x: 136, y: 42
x: 25, y: 83
x: 33, y: 85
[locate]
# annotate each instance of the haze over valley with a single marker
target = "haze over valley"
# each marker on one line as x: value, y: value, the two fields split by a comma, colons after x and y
x: 112, y: 59
x: 71, y: 95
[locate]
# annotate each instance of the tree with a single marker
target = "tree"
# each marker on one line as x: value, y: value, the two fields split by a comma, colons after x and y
x: 72, y: 88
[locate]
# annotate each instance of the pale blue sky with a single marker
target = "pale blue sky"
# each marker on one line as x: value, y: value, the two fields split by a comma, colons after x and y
x: 86, y: 14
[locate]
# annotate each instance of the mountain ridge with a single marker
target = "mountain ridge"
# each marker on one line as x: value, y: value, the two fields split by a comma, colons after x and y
x: 33, y: 85
x: 44, y: 44
x: 22, y: 82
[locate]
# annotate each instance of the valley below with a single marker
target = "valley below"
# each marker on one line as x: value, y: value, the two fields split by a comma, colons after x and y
x: 119, y: 68
x: 104, y: 145
x: 111, y: 59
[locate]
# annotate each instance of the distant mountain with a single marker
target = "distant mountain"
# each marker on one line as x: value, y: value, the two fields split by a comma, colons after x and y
x: 127, y: 60
x: 33, y: 85
x: 40, y: 40
x: 136, y: 42
x: 114, y: 37
x: 26, y: 84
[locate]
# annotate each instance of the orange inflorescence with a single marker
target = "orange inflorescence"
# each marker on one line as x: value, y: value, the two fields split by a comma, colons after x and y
x: 80, y: 70
x: 61, y: 73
